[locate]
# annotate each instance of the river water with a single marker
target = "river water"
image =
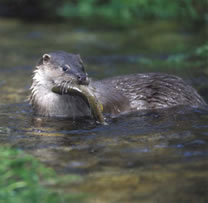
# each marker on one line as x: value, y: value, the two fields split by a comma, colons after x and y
x: 146, y: 156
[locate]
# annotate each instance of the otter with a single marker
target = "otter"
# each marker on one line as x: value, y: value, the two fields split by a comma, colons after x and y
x: 117, y: 95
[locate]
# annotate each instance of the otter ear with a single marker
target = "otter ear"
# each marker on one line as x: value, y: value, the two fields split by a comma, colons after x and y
x: 79, y: 57
x: 46, y: 58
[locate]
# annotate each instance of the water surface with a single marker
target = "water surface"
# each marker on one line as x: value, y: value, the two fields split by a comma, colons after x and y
x: 146, y: 156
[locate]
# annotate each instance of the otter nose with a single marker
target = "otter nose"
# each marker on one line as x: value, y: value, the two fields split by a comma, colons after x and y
x: 83, y: 79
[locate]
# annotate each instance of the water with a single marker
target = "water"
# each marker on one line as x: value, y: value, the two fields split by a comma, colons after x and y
x: 146, y: 156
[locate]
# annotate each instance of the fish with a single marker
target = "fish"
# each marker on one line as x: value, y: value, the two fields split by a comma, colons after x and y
x: 87, y: 94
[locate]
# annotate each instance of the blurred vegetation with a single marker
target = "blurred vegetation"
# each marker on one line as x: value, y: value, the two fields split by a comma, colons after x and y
x: 116, y: 12
x: 198, y: 56
x: 24, y: 179
x: 124, y: 12
x: 202, y: 52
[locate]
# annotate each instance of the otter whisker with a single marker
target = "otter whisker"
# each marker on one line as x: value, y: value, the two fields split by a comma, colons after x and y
x: 65, y: 87
x: 69, y: 84
x: 62, y: 87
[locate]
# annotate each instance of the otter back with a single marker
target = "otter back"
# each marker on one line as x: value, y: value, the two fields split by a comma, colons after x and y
x: 148, y: 91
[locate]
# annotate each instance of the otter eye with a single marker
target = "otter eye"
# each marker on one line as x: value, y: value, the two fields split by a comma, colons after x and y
x: 65, y: 68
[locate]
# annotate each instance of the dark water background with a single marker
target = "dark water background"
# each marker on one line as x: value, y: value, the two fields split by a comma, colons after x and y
x: 157, y: 156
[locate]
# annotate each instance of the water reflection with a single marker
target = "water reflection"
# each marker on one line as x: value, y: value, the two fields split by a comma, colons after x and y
x: 139, y: 136
x: 142, y: 156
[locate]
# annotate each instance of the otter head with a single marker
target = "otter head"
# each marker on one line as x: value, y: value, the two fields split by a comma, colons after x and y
x: 60, y: 68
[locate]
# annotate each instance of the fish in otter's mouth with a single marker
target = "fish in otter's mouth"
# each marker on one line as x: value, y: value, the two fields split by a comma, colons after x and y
x: 86, y: 94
